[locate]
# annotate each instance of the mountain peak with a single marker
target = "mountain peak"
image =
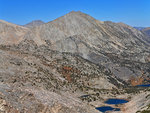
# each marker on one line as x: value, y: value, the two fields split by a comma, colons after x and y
x: 34, y: 23
x: 76, y: 12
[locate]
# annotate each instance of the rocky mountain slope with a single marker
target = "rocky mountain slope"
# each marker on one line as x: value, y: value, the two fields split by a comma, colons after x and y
x: 69, y: 64
x: 96, y: 41
x: 45, y: 76
x: 11, y: 33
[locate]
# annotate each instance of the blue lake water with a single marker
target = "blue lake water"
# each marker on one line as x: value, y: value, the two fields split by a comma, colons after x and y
x: 144, y: 85
x: 116, y: 101
x: 107, y: 108
x: 85, y: 96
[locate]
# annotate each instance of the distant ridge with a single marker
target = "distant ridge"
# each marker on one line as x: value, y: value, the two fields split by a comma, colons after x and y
x: 34, y: 23
x: 139, y: 28
x: 146, y: 31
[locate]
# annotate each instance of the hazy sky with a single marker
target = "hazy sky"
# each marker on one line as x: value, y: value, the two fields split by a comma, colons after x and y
x: 132, y: 12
